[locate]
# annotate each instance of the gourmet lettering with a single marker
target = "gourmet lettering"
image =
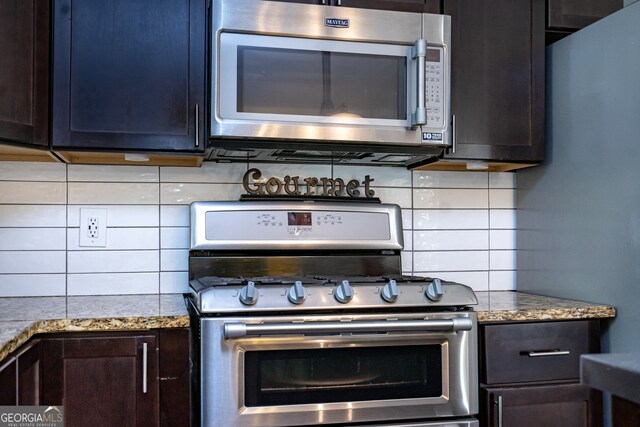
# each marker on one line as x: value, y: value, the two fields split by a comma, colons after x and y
x: 292, y: 185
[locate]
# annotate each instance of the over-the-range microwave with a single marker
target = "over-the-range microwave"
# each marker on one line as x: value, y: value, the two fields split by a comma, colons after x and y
x: 302, y: 82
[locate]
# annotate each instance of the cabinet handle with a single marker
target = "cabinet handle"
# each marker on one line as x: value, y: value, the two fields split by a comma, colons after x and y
x: 339, y: 2
x: 498, y: 403
x: 324, y: 1
x: 548, y: 353
x: 453, y: 134
x: 144, y: 367
x: 197, y: 126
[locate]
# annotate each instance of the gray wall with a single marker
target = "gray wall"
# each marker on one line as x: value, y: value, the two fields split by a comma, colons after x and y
x: 579, y: 214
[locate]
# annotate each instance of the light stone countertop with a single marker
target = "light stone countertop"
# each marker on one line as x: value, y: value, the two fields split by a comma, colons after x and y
x: 23, y: 317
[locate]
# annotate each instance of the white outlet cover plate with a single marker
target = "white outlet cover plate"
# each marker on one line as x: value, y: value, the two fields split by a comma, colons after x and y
x: 101, y: 239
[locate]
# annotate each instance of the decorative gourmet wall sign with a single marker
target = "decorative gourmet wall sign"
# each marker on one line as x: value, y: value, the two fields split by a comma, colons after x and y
x: 291, y: 185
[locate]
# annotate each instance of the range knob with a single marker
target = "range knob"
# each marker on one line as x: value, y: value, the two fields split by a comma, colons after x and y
x: 297, y: 293
x: 390, y: 292
x: 344, y: 292
x: 435, y: 291
x: 249, y: 294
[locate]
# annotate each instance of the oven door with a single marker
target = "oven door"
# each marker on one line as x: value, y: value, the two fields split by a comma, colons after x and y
x: 313, y: 370
x: 290, y: 78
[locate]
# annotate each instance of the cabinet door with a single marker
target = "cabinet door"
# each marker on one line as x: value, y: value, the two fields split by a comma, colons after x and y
x: 8, y: 382
x: 576, y: 14
x: 24, y: 71
x: 558, y: 405
x: 129, y: 74
x: 498, y: 79
x: 103, y: 381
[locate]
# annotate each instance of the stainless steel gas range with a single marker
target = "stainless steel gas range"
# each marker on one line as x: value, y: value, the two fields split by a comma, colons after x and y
x: 301, y: 316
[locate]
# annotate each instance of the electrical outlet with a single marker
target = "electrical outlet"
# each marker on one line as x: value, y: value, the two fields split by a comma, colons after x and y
x: 93, y: 227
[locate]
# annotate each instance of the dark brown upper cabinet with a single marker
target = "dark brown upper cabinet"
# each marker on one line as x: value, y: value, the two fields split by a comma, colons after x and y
x: 567, y: 16
x: 24, y: 72
x: 129, y: 75
x: 498, y: 80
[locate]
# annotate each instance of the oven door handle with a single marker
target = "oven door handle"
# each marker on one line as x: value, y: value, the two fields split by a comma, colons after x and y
x: 238, y: 330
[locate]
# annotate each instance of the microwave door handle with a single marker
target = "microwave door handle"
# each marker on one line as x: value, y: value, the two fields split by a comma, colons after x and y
x: 419, y: 54
x: 238, y: 330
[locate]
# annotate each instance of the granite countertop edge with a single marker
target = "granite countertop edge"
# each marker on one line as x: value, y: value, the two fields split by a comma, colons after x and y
x: 128, y: 313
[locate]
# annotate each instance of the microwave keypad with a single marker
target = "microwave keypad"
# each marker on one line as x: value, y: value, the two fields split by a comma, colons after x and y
x: 434, y: 77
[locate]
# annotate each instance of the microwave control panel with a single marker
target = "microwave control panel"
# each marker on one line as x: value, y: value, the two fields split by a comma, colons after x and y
x: 434, y: 87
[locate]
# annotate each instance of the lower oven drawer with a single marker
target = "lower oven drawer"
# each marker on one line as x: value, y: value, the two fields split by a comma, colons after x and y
x: 543, y: 351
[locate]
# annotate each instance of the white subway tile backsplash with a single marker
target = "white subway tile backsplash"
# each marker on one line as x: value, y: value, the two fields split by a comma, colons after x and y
x: 174, y: 216
x: 502, y: 260
x: 451, y: 219
x: 407, y: 237
x: 502, y: 239
x: 32, y: 262
x: 23, y: 171
x: 451, y: 240
x: 450, y: 261
x: 32, y: 239
x: 32, y: 215
x: 407, y: 261
x: 450, y: 198
x: 112, y: 261
x: 112, y: 193
x: 40, y: 193
x: 502, y: 180
x: 459, y: 226
x: 438, y: 179
x: 502, y: 219
x: 175, y: 238
x: 184, y: 194
x: 502, y: 199
x: 407, y: 219
x: 113, y: 284
x: 398, y: 196
x: 382, y: 177
x: 32, y: 285
x: 94, y: 173
x: 228, y: 173
x: 174, y: 282
x: 118, y: 239
x: 502, y: 280
x: 174, y: 260
x: 119, y: 215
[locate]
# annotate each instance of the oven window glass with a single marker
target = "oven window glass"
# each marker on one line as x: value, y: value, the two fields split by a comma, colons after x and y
x: 321, y: 83
x: 288, y: 377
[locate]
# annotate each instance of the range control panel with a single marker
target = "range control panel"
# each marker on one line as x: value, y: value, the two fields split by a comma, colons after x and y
x: 296, y: 224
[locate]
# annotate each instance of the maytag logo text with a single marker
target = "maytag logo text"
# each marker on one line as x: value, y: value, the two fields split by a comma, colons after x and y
x: 336, y: 22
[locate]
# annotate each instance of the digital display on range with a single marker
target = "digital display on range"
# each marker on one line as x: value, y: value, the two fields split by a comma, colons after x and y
x: 299, y: 218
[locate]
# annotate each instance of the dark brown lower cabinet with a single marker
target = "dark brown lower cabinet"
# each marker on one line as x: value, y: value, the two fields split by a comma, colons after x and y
x: 8, y: 382
x: 624, y: 412
x: 118, y: 379
x: 550, y: 405
x: 29, y: 374
x: 103, y: 381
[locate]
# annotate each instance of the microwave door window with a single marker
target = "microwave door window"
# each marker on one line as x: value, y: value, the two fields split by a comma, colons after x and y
x: 321, y: 83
